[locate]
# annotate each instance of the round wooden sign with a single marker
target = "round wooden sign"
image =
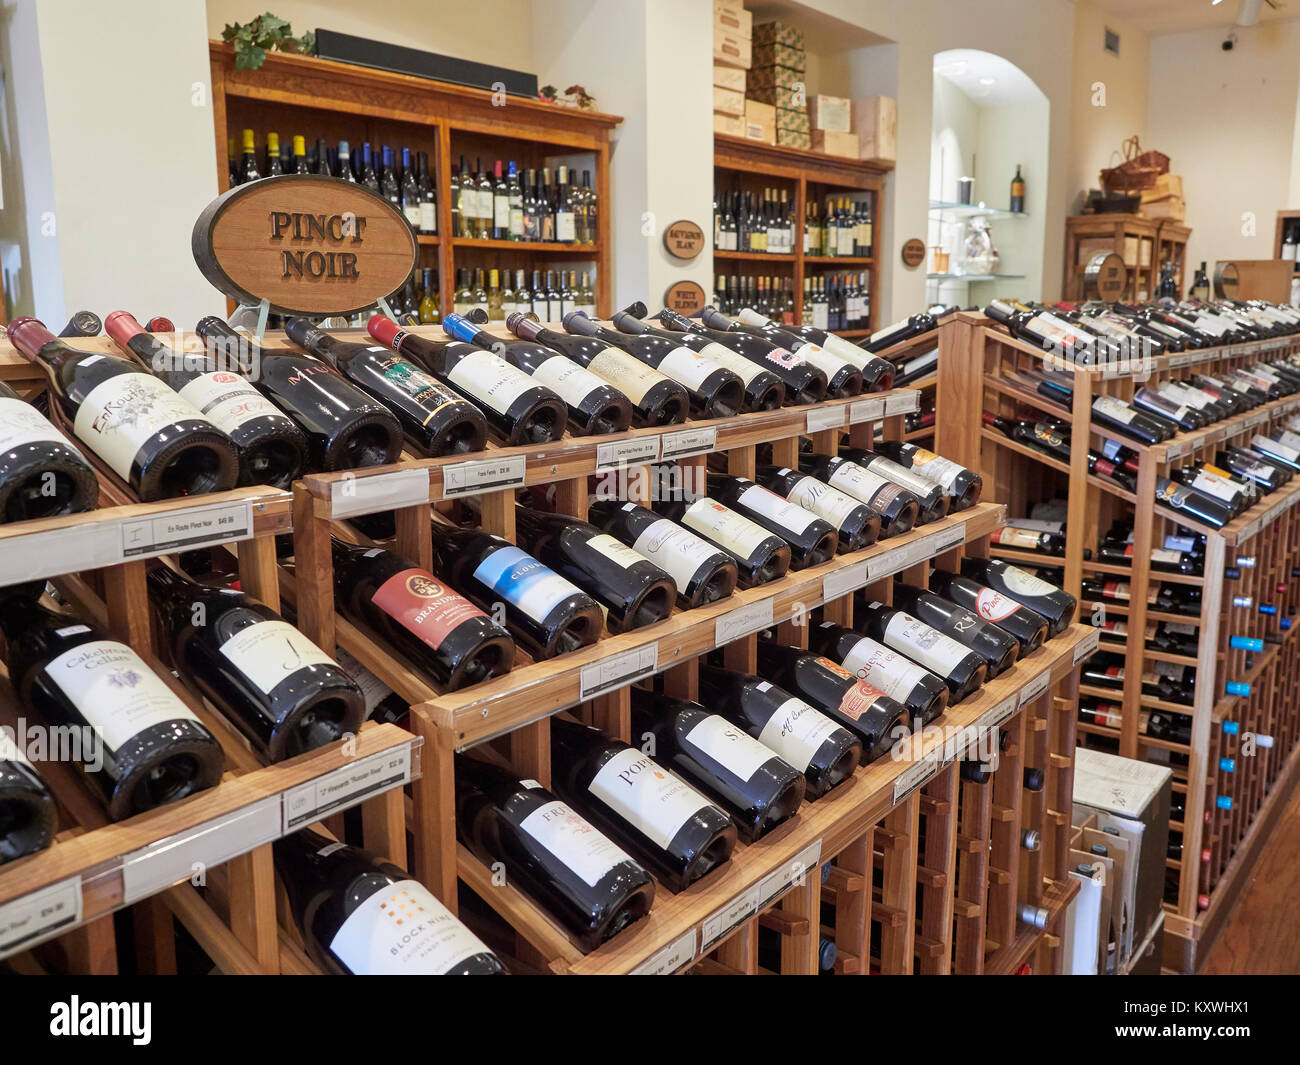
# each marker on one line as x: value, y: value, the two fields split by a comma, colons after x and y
x: 684, y: 240
x: 1226, y: 278
x: 1105, y: 277
x: 914, y: 253
x: 685, y: 297
x: 309, y: 244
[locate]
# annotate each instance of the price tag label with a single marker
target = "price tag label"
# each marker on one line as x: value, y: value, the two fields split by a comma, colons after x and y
x: 738, y: 910
x: 844, y: 581
x: 1035, y: 687
x: 1086, y: 646
x: 1172, y: 451
x: 822, y: 418
x: 866, y: 410
x: 734, y: 624
x: 175, y: 858
x: 618, y: 670
x: 483, y: 475
x: 671, y: 958
x: 617, y: 453
x: 903, y: 402
x: 188, y: 529
x: 73, y: 549
x: 356, y: 494
x: 917, y: 774
x: 945, y: 539
x: 1000, y: 713
x: 40, y: 915
x: 805, y: 863
x: 346, y: 787
x: 687, y: 442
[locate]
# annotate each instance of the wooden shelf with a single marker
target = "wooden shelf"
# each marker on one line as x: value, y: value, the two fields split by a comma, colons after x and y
x: 753, y: 257
x: 838, y: 260
x: 585, y: 251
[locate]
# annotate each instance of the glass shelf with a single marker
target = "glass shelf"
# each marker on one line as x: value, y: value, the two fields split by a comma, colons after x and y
x: 967, y: 210
x: 974, y: 277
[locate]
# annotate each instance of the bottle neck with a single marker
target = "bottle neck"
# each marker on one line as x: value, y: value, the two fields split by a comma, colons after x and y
x: 38, y: 344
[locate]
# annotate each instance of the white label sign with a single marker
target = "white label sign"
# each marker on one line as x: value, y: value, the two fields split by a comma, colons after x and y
x: 224, y: 523
x: 902, y: 402
x: 1035, y: 687
x: 627, y: 452
x: 1085, y: 647
x: 55, y: 551
x: 822, y: 418
x: 844, y: 581
x: 742, y: 621
x: 866, y: 410
x: 740, y: 909
x: 687, y: 442
x: 485, y: 475
x: 916, y: 774
x: 618, y: 670
x: 670, y: 959
x: 802, y: 865
x: 40, y: 915
x: 346, y: 787
x: 380, y: 491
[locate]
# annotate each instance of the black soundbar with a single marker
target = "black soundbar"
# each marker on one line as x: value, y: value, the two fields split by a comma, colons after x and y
x: 344, y: 48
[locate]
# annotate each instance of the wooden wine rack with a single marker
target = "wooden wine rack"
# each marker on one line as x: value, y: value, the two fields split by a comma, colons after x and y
x: 977, y: 361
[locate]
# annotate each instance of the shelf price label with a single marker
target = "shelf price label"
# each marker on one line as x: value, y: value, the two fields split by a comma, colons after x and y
x: 347, y: 786
x: 822, y: 418
x: 40, y: 915
x: 903, y: 402
x: 484, y: 475
x: 48, y: 554
x: 994, y: 717
x: 866, y: 410
x: 1086, y: 646
x: 686, y: 442
x: 631, y: 452
x: 803, y: 864
x: 188, y: 529
x: 618, y: 670
x: 917, y: 774
x: 734, y: 624
x: 945, y: 539
x: 843, y: 582
x: 1034, y: 688
x: 671, y: 958
x: 738, y: 910
x: 380, y: 491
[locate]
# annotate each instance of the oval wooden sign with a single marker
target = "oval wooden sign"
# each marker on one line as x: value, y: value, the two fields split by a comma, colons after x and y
x: 1105, y: 277
x: 914, y: 253
x: 685, y: 297
x: 684, y: 240
x: 309, y: 244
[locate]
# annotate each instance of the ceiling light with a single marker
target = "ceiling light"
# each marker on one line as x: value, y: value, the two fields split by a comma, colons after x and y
x: 988, y: 81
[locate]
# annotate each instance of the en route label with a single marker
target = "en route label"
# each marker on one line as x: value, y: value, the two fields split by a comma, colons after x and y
x: 200, y: 527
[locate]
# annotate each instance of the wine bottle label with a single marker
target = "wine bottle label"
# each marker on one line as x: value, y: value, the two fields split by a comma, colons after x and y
x: 1115, y: 589
x: 745, y: 369
x: 887, y: 670
x: 1010, y: 537
x: 489, y: 378
x: 9, y: 751
x: 412, y: 213
x: 574, y: 841
x: 687, y: 367
x: 629, y: 375
x: 115, y: 691
x: 1175, y: 495
x: 1159, y: 554
x: 845, y: 350
x: 501, y: 212
x: 674, y: 549
x: 615, y: 550
x: 1025, y: 583
x: 1172, y: 670
x: 408, y: 378
x: 823, y: 500
x: 646, y: 795
x: 734, y: 750
x: 816, y: 355
x: 21, y: 423
x: 880, y: 334
x: 564, y: 227
x: 428, y: 216
x: 858, y: 481
x: 424, y: 605
x: 938, y: 653
x: 403, y: 930
x: 858, y: 699
x: 571, y: 382
x: 937, y: 468
x: 788, y: 515
x: 1037, y: 524
x: 374, y: 690
x: 1180, y: 627
x: 994, y: 606
x: 783, y: 357
x: 1120, y: 628
x: 1114, y: 409
x: 524, y: 582
x: 1274, y: 447
x: 796, y: 732
x: 272, y: 651
x: 121, y: 414
x: 724, y: 526
x: 229, y: 400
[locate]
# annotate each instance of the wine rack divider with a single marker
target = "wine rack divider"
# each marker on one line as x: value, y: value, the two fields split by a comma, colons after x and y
x: 976, y: 357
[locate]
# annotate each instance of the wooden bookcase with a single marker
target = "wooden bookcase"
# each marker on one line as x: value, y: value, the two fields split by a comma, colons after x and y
x: 1143, y: 244
x: 751, y: 166
x: 293, y: 94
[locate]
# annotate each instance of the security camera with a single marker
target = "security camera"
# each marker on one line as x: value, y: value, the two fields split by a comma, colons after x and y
x: 1230, y: 41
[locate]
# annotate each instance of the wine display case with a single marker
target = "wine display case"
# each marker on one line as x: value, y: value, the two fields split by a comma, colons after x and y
x: 918, y: 426
x: 1143, y: 243
x: 1235, y: 768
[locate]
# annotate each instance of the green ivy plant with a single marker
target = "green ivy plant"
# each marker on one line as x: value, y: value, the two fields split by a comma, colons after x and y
x: 266, y: 33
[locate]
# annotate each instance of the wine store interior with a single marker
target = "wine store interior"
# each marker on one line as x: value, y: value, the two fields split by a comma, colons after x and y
x: 534, y: 487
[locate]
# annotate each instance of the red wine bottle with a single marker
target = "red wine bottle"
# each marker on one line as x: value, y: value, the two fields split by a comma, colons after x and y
x: 920, y: 691
x: 877, y: 373
x: 345, y: 428
x: 668, y: 826
x: 999, y: 649
x: 856, y: 524
x: 760, y: 556
x: 1025, y: 625
x: 517, y: 408
x: 912, y: 326
x: 656, y: 399
x: 826, y: 753
x: 28, y: 815
x: 544, y: 612
x: 278, y: 688
x: 570, y: 869
x: 633, y: 591
x: 812, y: 540
x: 1051, y: 602
x: 843, y: 377
x: 702, y: 572
x: 41, y: 474
x: 749, y: 780
x: 362, y: 916
x: 595, y: 406
x: 272, y: 449
x: 142, y: 746
x: 440, y: 631
x: 435, y: 420
x: 1037, y: 435
x: 961, y: 668
x: 897, y: 507
x: 929, y: 493
x: 963, y: 486
x: 141, y: 429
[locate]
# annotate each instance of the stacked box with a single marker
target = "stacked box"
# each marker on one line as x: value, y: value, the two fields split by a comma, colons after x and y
x: 732, y: 27
x: 875, y: 122
x: 832, y: 143
x: 728, y: 102
x: 831, y: 114
x: 793, y: 138
x: 760, y: 121
x: 732, y: 78
x: 780, y: 55
x: 730, y: 17
x: 793, y: 120
x: 732, y: 51
x: 778, y: 33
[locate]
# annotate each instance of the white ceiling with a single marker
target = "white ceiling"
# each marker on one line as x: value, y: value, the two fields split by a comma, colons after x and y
x: 823, y: 34
x: 1157, y: 18
x: 971, y: 71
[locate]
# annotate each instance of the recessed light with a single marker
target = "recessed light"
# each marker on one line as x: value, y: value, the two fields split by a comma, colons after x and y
x: 988, y: 81
x: 1215, y: 3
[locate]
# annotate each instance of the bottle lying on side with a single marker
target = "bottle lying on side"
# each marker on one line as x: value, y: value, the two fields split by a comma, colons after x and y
x: 923, y: 694
x: 856, y: 525
x: 42, y: 475
x: 28, y: 815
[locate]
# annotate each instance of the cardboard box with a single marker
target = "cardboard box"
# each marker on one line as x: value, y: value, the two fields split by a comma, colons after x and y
x: 729, y: 77
x: 777, y: 55
x: 795, y: 120
x: 766, y: 77
x: 1166, y: 185
x: 732, y: 18
x: 789, y: 97
x: 833, y: 143
x: 831, y: 113
x: 728, y: 102
x: 1173, y: 208
x: 760, y: 121
x: 875, y: 121
x: 793, y: 138
x: 728, y: 124
x: 778, y: 32
x: 732, y: 51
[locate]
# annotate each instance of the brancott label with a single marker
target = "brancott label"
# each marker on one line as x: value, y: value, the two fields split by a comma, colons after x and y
x: 646, y: 795
x: 272, y: 651
x: 424, y: 606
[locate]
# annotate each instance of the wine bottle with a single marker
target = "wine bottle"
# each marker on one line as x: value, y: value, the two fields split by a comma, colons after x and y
x: 896, y: 506
x: 28, y: 815
x: 913, y: 326
x: 434, y: 419
x: 702, y: 572
x: 141, y: 429
x: 758, y: 788
x: 1187, y: 500
x: 760, y: 556
x: 826, y: 753
x: 812, y: 540
x: 1051, y: 602
x: 544, y: 612
x: 656, y: 399
x: 856, y: 524
x: 362, y: 916
x: 961, y: 668
x: 920, y: 691
x: 82, y: 324
x: 665, y: 824
x: 141, y: 746
x: 843, y: 378
x: 1025, y: 625
x: 999, y: 649
x: 440, y: 631
x: 345, y: 428
x: 856, y: 704
x: 568, y: 867
x: 278, y: 688
x: 877, y: 373
x: 1017, y: 192
x: 929, y: 493
x: 519, y: 410
x: 962, y: 485
x: 595, y: 406
x: 41, y: 474
x: 632, y: 589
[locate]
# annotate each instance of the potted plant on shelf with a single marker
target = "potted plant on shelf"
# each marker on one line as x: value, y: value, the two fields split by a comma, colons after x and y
x: 266, y: 33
